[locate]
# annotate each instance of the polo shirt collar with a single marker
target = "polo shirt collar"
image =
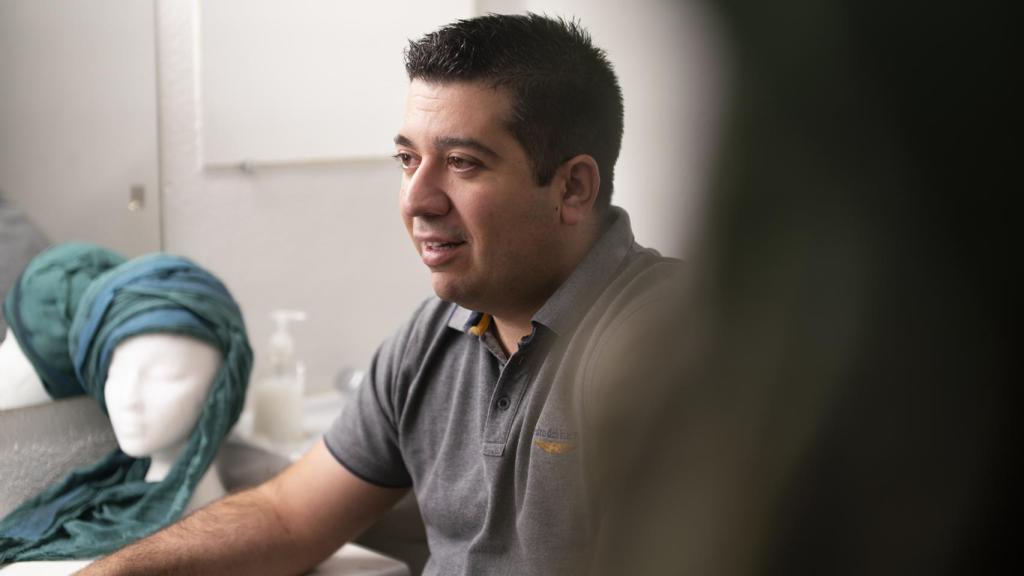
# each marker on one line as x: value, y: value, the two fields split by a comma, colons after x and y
x: 572, y: 299
x: 561, y: 311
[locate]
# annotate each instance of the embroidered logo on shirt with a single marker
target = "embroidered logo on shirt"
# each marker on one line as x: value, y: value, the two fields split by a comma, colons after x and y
x: 554, y: 440
x: 554, y: 447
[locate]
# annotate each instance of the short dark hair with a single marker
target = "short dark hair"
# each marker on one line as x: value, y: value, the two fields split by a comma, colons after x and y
x: 566, y: 99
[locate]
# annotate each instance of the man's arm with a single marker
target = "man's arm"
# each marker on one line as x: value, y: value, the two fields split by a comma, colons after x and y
x: 285, y: 526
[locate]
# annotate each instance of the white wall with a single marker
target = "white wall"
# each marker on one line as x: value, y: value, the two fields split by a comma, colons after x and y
x: 328, y: 239
x: 284, y: 81
x: 78, y: 120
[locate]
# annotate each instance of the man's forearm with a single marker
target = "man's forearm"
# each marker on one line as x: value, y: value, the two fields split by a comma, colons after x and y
x: 241, y: 534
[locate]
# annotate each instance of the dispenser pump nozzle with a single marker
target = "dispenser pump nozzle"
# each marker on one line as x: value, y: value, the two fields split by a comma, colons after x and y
x: 282, y: 347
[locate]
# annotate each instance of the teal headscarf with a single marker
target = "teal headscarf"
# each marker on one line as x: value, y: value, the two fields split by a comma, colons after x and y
x: 100, y: 508
x: 41, y: 306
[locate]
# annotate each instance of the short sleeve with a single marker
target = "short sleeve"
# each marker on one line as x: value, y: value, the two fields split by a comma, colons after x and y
x: 364, y: 437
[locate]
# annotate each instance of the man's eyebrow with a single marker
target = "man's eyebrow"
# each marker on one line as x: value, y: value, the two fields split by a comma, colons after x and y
x: 445, y: 142
x: 457, y: 142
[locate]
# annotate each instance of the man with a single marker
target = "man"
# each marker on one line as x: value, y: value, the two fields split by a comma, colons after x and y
x: 512, y: 128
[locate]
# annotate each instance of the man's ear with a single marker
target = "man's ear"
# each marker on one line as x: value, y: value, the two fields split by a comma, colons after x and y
x: 582, y: 183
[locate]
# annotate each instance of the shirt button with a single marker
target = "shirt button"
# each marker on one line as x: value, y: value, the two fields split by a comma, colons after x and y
x: 504, y: 403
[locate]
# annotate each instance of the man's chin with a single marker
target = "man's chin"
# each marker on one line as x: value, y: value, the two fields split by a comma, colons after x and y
x: 449, y: 290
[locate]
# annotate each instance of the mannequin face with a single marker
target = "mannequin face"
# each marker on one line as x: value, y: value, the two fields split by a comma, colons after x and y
x: 155, y: 389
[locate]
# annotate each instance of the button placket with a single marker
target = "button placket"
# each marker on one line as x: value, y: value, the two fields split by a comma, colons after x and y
x: 507, y: 396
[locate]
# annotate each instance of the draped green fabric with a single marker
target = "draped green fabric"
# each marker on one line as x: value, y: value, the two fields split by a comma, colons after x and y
x: 41, y: 306
x: 100, y: 508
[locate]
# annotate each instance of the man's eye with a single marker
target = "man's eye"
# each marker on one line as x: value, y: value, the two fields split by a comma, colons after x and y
x: 460, y: 164
x: 405, y: 159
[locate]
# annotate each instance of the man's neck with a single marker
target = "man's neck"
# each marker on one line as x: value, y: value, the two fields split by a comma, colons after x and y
x: 513, y: 327
x: 511, y: 332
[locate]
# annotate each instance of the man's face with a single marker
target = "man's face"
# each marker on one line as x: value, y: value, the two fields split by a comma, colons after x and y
x: 488, y: 233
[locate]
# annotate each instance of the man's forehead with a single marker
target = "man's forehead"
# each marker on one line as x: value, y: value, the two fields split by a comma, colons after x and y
x: 454, y: 111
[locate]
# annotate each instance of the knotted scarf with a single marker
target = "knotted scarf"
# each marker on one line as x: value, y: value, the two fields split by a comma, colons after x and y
x: 41, y: 306
x: 102, y: 507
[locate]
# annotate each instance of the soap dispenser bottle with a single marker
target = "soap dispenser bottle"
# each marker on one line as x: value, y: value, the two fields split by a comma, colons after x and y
x: 278, y: 414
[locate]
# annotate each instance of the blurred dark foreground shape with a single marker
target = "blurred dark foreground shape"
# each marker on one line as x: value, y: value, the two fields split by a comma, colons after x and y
x: 835, y: 399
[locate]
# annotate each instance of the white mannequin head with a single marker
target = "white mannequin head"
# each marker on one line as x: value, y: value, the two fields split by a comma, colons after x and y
x: 155, y: 388
x: 21, y: 384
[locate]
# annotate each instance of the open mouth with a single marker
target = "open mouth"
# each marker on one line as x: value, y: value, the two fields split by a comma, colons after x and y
x: 439, y: 253
x: 441, y: 245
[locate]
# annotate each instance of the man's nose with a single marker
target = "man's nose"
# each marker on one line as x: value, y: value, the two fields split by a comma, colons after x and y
x: 423, y: 192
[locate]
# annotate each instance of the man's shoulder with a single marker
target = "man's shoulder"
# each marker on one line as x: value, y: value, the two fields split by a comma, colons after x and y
x: 426, y: 324
x: 628, y: 330
x: 640, y: 298
x: 644, y: 275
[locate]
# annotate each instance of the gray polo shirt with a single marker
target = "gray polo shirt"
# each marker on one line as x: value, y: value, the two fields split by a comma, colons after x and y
x: 491, y: 444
